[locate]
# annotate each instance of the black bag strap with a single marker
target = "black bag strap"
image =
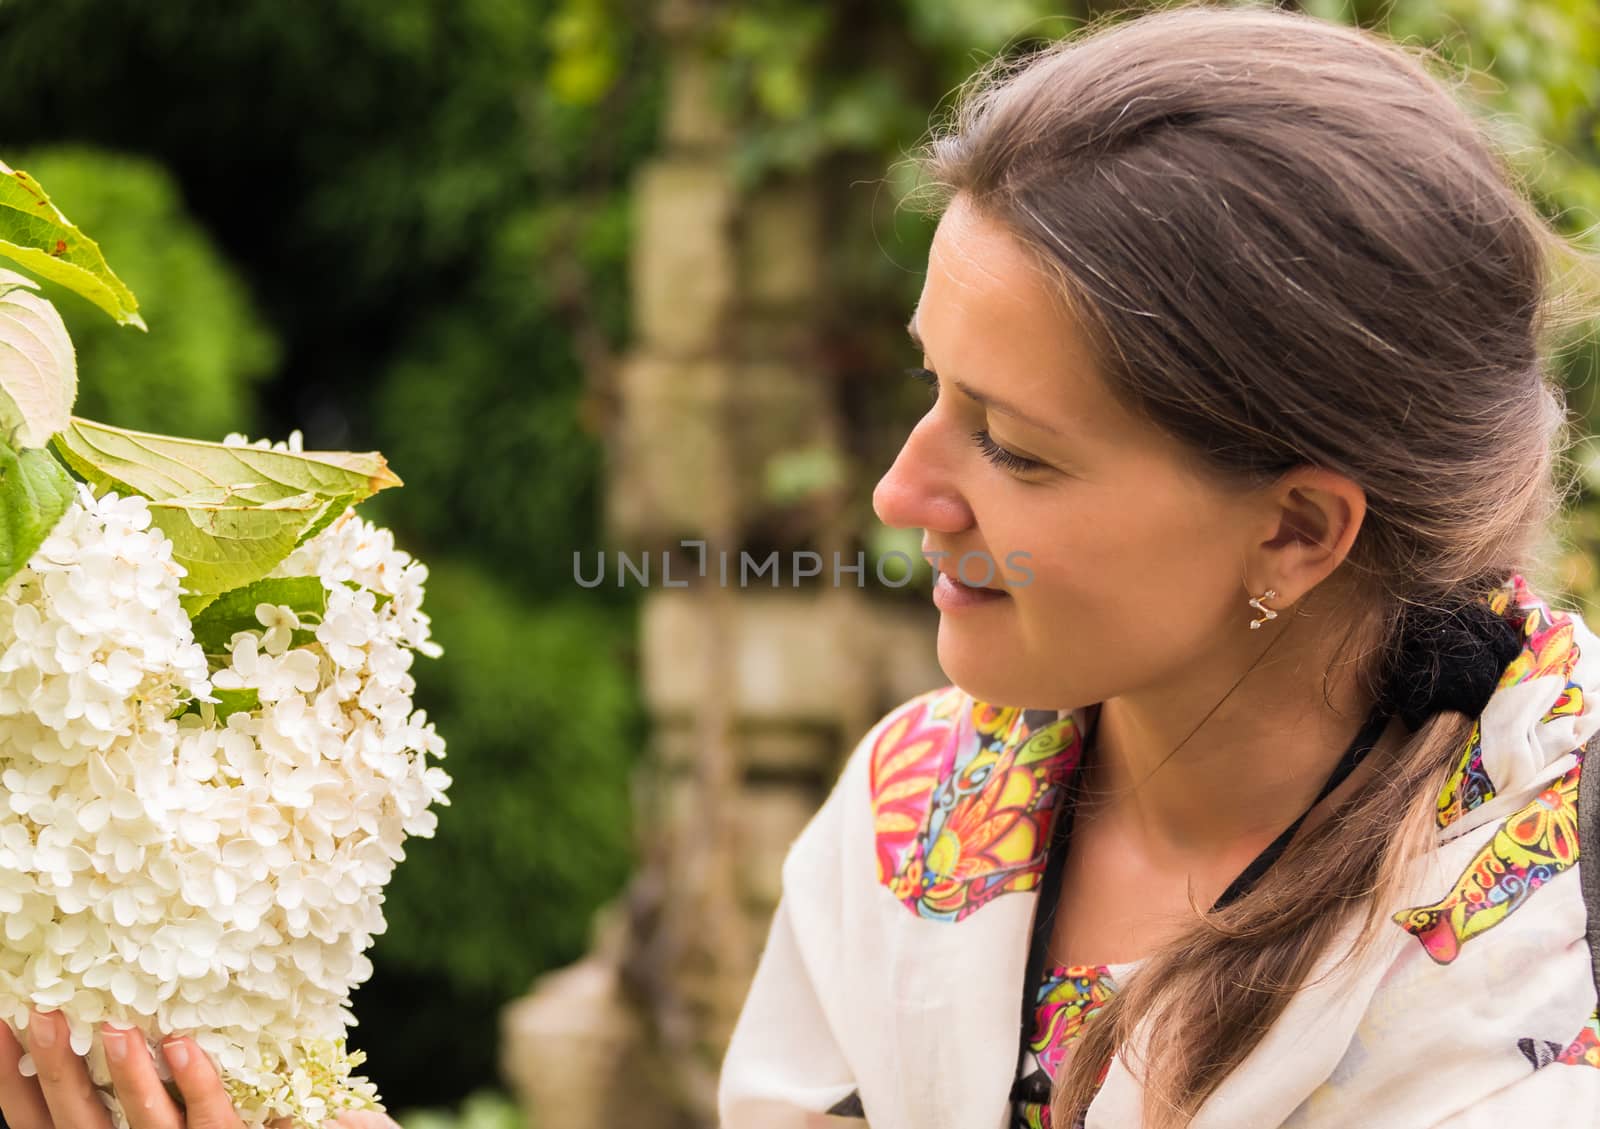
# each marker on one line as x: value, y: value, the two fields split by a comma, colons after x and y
x: 1589, y: 848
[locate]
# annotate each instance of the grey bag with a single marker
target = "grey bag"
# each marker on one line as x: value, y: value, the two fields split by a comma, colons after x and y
x: 1589, y: 848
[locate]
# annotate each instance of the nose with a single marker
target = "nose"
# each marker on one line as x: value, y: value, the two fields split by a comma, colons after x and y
x: 918, y: 491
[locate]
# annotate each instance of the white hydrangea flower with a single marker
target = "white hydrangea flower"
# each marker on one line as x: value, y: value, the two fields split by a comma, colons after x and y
x: 281, y: 624
x: 179, y: 874
x: 238, y: 439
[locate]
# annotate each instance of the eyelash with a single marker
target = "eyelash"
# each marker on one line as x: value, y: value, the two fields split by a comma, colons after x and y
x: 991, y: 450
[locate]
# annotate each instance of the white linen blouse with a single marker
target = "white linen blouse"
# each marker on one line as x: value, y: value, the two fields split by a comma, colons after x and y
x: 891, y: 984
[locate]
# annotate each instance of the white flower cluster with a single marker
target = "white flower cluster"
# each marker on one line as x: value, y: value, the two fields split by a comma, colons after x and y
x: 166, y: 868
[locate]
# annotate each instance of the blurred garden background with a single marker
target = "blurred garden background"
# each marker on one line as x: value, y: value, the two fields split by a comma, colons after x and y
x: 416, y: 226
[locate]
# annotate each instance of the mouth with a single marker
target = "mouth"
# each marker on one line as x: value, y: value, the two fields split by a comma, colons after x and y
x: 955, y: 580
x: 951, y: 594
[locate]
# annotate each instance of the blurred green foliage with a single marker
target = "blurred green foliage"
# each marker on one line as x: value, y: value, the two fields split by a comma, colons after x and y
x: 482, y: 1109
x: 194, y: 372
x: 541, y: 815
x: 530, y: 493
x: 1536, y: 74
x: 538, y: 703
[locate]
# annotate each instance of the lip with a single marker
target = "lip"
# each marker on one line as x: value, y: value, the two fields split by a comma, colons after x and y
x: 949, y: 594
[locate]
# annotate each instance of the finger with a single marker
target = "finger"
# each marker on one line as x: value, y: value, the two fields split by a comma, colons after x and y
x: 362, y: 1119
x: 63, y: 1076
x: 21, y: 1100
x: 376, y: 1119
x: 206, y: 1104
x: 141, y: 1092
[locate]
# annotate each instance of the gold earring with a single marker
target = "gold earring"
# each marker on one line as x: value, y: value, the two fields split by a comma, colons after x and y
x: 1255, y: 602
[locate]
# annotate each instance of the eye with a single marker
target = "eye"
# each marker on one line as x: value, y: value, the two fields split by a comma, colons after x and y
x: 1000, y: 456
x: 991, y: 450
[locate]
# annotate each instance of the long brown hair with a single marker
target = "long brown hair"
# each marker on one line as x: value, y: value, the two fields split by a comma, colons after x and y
x: 1292, y: 244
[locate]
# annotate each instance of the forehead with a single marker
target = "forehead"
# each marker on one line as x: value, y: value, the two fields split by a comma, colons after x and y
x: 977, y: 260
x: 991, y: 314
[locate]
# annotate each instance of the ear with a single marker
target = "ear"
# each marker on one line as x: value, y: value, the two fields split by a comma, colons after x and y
x: 1313, y: 516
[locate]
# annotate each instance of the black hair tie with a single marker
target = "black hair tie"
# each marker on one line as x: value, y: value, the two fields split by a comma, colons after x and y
x: 1450, y: 661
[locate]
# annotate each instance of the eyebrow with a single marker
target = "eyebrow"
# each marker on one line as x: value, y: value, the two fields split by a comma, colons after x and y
x: 988, y: 401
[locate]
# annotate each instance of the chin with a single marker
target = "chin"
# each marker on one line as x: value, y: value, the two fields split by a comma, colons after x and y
x: 997, y: 677
x: 990, y: 677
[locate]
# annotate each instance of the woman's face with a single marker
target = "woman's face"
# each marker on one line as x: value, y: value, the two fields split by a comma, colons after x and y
x: 1136, y: 563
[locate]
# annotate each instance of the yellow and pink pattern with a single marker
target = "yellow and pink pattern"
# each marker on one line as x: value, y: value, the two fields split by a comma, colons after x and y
x: 964, y: 796
x: 1068, y: 997
x: 1548, y: 648
x: 1531, y: 847
x: 1533, y: 844
x: 1585, y: 1049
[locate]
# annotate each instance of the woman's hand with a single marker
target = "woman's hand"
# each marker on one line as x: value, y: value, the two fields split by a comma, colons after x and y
x: 62, y: 1097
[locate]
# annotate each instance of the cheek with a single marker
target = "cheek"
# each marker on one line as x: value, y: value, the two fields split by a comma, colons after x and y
x: 1093, y: 553
x: 1145, y: 535
x: 1122, y: 574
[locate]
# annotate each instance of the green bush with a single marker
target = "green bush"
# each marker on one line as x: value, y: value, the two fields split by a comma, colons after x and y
x: 482, y: 1109
x: 193, y: 372
x: 542, y: 720
x: 539, y: 708
x: 481, y: 413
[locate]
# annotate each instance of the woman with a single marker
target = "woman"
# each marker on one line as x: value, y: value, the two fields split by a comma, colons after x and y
x: 1238, y: 334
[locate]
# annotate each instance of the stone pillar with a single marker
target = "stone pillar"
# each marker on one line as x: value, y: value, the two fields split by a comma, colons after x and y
x: 755, y: 693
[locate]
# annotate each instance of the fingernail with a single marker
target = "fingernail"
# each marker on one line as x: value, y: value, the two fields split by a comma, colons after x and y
x: 177, y: 1054
x: 43, y: 1030
x: 116, y: 1049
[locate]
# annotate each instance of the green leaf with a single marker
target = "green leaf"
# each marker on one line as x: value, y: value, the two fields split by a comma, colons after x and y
x: 34, y: 233
x: 162, y: 466
x: 35, y: 490
x: 380, y: 598
x: 228, y: 702
x: 233, y: 513
x: 38, y: 369
x: 226, y: 541
x: 235, y: 611
x: 330, y: 514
